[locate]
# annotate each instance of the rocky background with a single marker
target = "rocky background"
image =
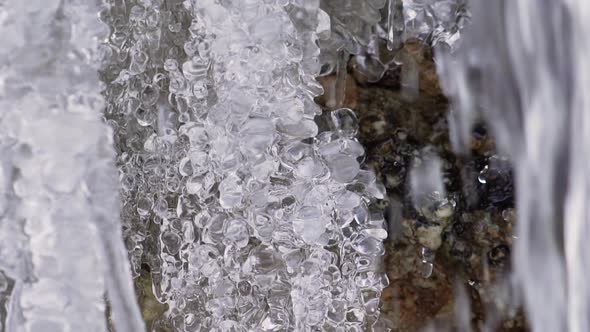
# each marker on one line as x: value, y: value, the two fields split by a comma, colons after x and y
x: 449, y: 271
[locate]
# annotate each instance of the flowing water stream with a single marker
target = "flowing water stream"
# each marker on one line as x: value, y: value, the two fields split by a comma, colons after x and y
x: 523, y: 66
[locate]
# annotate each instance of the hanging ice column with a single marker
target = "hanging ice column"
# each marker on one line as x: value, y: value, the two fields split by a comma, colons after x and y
x: 247, y: 217
x: 60, y: 239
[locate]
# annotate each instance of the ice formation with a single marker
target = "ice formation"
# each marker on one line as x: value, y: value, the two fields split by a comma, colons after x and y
x: 437, y: 22
x: 249, y: 216
x: 364, y: 29
x: 353, y: 27
x: 61, y: 247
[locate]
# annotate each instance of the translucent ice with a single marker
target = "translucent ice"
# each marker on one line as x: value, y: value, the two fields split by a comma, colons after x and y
x: 237, y: 191
x: 61, y: 242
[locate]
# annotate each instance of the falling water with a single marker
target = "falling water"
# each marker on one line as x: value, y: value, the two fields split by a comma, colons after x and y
x: 524, y: 66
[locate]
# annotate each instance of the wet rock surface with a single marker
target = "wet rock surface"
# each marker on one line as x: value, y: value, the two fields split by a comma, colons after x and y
x: 447, y: 267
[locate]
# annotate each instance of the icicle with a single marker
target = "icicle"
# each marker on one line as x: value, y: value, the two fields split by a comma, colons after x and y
x: 390, y: 24
x: 341, y: 74
x: 394, y: 24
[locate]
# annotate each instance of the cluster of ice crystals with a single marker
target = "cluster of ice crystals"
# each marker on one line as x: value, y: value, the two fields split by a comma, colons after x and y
x: 365, y: 28
x: 435, y: 21
x: 353, y: 28
x: 60, y: 240
x: 249, y: 216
